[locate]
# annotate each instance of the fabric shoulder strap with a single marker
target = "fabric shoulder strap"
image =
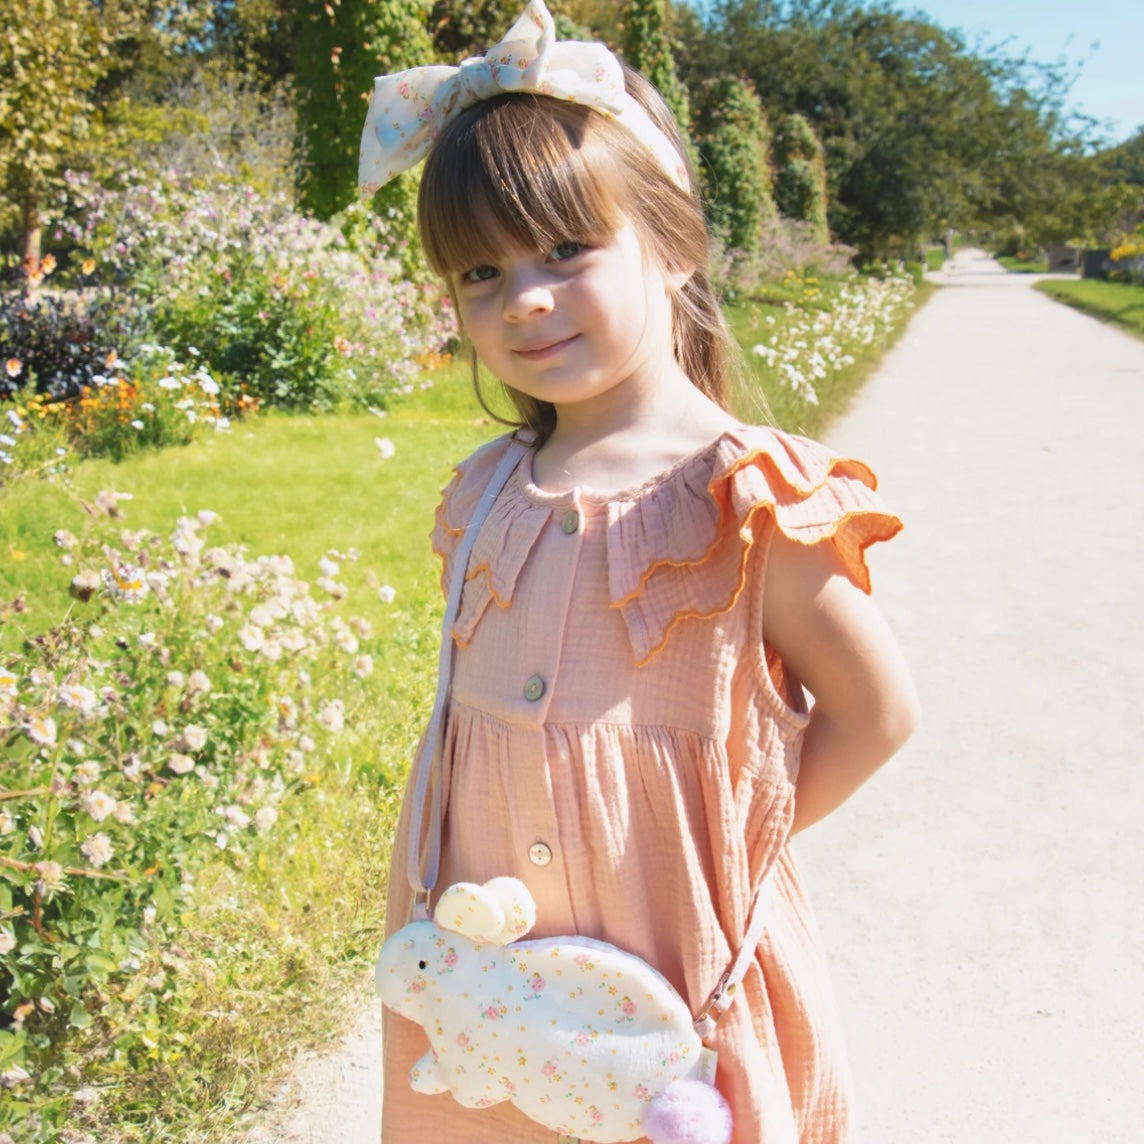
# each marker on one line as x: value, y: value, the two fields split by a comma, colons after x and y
x: 429, y: 758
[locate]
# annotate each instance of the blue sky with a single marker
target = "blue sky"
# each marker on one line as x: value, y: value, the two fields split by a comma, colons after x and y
x: 1105, y: 36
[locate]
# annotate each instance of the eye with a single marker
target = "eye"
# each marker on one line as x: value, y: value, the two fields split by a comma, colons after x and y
x: 480, y: 274
x: 565, y: 250
x: 423, y: 965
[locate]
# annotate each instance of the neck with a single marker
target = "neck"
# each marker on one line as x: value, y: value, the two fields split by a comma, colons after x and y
x: 620, y: 439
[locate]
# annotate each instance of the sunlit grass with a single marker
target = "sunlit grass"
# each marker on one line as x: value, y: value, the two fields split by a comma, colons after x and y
x: 1120, y: 303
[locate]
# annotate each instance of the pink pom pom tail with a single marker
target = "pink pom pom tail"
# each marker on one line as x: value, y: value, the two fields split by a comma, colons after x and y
x: 688, y: 1112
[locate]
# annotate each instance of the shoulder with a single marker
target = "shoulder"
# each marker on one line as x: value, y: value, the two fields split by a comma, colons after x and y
x: 471, y: 476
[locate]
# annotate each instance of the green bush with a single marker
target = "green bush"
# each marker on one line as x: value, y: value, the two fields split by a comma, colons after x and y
x: 800, y: 174
x: 732, y: 131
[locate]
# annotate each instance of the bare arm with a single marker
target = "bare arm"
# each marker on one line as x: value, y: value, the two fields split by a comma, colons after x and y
x: 836, y: 642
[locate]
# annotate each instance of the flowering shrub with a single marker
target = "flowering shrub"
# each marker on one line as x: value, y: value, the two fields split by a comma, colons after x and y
x: 808, y: 344
x: 150, y: 400
x: 304, y: 313
x: 58, y: 343
x: 166, y: 724
x: 1128, y: 257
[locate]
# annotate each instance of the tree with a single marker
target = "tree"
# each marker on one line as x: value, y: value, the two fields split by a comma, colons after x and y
x: 800, y: 175
x: 731, y: 129
x: 647, y: 47
x: 341, y: 46
x: 1125, y: 163
x: 53, y: 57
x: 918, y: 132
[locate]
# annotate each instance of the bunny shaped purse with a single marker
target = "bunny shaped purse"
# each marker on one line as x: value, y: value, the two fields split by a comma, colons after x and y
x: 582, y: 1037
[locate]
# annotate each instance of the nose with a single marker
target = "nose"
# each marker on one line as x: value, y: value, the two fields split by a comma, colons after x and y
x: 527, y: 293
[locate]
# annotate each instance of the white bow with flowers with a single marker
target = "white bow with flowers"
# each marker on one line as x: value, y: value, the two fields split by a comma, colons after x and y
x: 409, y: 109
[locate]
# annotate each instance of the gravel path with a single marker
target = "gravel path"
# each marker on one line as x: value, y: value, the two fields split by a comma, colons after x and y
x: 981, y: 897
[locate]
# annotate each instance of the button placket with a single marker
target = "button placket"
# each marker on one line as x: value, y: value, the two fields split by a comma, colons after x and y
x: 536, y: 688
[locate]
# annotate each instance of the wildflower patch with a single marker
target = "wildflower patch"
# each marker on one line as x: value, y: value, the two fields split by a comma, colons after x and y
x: 147, y: 734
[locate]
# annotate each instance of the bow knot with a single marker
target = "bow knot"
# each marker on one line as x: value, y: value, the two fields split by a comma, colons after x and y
x: 408, y: 110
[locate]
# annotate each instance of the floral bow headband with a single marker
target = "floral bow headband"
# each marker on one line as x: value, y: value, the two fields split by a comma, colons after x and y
x: 409, y: 109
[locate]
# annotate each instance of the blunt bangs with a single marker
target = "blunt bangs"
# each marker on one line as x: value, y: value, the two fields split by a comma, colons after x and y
x: 520, y: 169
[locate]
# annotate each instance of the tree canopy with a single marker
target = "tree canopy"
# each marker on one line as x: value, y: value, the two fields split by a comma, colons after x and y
x: 919, y: 130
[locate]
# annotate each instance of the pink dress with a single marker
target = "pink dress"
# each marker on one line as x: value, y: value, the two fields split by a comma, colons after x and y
x: 622, y: 738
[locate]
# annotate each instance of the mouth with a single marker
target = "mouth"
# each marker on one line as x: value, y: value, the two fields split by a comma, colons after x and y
x: 538, y: 351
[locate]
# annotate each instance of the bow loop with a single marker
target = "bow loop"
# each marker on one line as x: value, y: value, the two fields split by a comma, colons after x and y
x: 408, y: 110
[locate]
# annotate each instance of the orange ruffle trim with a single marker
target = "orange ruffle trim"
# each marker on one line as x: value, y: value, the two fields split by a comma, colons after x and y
x: 677, y: 546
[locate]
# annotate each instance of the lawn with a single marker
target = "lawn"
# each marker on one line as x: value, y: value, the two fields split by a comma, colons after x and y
x: 1118, y: 303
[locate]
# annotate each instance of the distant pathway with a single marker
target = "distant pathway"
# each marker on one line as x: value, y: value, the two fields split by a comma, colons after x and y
x: 981, y: 898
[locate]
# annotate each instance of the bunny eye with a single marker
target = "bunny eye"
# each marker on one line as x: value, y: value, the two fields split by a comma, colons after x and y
x: 423, y: 965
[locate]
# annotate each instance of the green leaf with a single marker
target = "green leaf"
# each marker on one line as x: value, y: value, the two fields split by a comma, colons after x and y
x: 80, y: 1018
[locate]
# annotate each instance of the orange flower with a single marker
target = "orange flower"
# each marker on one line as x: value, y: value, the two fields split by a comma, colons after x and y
x: 111, y: 359
x: 14, y: 366
x: 48, y: 263
x: 88, y: 265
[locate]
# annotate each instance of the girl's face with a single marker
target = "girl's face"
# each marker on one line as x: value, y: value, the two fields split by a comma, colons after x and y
x: 573, y: 323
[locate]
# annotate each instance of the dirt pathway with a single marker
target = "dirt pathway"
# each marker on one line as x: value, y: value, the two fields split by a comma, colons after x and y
x: 981, y: 897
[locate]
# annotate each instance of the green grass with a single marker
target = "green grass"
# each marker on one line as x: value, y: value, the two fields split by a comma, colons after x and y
x: 935, y: 257
x: 279, y: 953
x: 1017, y: 265
x: 1118, y: 303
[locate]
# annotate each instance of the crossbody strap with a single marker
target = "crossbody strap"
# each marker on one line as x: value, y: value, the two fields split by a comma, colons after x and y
x: 727, y: 989
x: 429, y: 759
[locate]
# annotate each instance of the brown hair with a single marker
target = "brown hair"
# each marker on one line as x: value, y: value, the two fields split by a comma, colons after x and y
x: 538, y: 171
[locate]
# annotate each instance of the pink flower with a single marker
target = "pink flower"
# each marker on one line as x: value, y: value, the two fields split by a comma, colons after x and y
x: 548, y: 1069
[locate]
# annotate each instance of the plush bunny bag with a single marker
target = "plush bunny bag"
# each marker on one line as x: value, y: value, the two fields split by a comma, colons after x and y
x: 580, y: 1036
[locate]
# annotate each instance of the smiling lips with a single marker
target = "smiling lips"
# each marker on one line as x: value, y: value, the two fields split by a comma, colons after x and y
x: 538, y: 351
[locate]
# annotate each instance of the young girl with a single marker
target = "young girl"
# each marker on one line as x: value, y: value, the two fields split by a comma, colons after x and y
x: 654, y: 588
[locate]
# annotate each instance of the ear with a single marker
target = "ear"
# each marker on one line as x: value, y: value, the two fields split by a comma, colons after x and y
x: 500, y: 911
x: 518, y: 906
x: 470, y: 910
x: 676, y: 277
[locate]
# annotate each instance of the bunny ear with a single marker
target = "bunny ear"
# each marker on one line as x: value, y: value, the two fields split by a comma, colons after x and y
x: 470, y: 910
x: 518, y: 906
x: 500, y: 911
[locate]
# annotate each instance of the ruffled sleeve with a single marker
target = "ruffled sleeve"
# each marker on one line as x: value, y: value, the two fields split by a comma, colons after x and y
x: 679, y: 550
x: 507, y: 537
